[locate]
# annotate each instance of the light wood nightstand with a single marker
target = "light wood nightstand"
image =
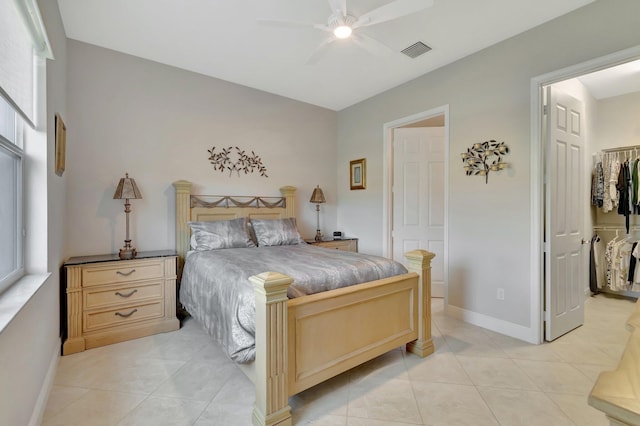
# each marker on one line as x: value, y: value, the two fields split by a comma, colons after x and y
x: 346, y: 244
x: 109, y: 300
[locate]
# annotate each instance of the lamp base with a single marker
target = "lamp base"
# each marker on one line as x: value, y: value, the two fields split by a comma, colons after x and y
x: 127, y: 253
x: 318, y: 235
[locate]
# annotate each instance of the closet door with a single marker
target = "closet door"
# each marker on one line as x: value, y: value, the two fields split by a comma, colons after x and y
x: 564, y: 281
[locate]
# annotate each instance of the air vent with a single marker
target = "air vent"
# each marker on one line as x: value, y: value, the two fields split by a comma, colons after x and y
x: 416, y: 49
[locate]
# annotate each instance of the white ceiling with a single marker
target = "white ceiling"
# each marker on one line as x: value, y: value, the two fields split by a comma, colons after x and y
x: 223, y: 39
x: 613, y: 81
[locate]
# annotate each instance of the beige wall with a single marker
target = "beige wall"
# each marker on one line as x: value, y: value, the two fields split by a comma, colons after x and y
x: 488, y: 95
x: 157, y: 122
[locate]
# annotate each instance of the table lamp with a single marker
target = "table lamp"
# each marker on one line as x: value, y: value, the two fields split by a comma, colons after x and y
x: 317, y: 198
x: 127, y: 190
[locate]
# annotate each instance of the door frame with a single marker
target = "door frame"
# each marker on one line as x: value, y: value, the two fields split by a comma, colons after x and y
x: 538, y: 160
x: 387, y: 179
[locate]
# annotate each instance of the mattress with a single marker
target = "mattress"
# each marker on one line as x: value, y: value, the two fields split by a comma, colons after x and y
x: 216, y: 291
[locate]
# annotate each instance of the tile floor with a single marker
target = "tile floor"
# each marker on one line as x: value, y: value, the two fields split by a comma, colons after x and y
x: 475, y: 377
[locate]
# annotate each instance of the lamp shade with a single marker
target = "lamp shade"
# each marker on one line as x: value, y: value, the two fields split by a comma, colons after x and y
x: 317, y: 196
x: 127, y: 189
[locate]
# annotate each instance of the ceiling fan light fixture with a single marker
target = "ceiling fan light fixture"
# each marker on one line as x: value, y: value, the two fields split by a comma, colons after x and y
x: 342, y: 31
x: 342, y: 25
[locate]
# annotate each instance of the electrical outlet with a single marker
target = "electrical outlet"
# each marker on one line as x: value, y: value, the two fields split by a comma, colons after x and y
x: 500, y: 295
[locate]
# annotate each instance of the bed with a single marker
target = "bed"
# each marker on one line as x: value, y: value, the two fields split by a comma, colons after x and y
x: 305, y: 340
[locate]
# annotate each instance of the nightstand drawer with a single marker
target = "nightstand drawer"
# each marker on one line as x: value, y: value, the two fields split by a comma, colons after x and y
x: 102, y: 319
x: 121, y: 273
x: 346, y: 245
x: 118, y: 294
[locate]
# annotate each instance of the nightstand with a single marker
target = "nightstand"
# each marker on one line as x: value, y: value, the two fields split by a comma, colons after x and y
x: 109, y: 300
x: 346, y: 244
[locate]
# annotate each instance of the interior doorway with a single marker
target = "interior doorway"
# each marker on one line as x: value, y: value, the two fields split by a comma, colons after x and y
x: 542, y: 181
x: 415, y: 182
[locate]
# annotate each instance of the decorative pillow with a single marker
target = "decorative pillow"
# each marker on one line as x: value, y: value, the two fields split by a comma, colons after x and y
x: 276, y: 232
x: 220, y: 234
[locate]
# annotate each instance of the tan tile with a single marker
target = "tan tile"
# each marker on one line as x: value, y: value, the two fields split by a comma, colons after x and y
x: 225, y: 414
x: 557, y: 377
x: 155, y: 411
x: 450, y: 405
x: 96, y: 408
x: 496, y: 372
x: 62, y: 396
x: 591, y: 371
x: 356, y: 421
x: 578, y: 410
x: 438, y: 367
x: 383, y: 399
x: 196, y: 380
x: 327, y: 398
x: 583, y: 353
x: 521, y: 407
x: 475, y: 343
x: 389, y: 365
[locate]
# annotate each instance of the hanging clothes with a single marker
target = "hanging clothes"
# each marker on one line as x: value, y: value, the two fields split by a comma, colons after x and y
x: 634, y: 192
x: 613, y: 182
x: 593, y: 267
x: 597, y: 185
x: 622, y: 185
x: 607, y: 204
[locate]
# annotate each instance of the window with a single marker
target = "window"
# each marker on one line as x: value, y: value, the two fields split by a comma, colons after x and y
x: 23, y: 47
x: 11, y: 163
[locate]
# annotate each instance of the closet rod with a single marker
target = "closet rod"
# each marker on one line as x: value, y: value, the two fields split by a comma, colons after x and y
x: 622, y: 148
x: 616, y: 228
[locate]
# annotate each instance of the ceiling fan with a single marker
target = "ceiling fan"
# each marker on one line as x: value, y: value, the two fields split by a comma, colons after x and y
x: 341, y: 24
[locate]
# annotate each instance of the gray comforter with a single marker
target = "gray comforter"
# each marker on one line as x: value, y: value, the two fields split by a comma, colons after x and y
x: 216, y: 291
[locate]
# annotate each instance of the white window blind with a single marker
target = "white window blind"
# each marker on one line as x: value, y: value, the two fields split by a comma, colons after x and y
x: 22, y: 35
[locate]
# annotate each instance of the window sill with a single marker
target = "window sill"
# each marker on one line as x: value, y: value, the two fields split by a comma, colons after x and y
x: 13, y: 299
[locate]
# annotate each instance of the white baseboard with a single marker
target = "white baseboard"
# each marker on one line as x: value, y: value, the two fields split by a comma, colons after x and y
x: 47, y: 384
x: 499, y: 326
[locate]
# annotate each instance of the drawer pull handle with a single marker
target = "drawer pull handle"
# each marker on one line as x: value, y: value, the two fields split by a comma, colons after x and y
x: 125, y: 274
x: 126, y: 315
x: 127, y: 295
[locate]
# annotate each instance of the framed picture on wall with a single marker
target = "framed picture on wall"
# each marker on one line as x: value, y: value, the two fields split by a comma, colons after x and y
x: 357, y: 173
x: 61, y: 144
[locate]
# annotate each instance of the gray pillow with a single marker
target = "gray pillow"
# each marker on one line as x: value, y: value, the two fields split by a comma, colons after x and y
x: 276, y: 232
x: 220, y: 234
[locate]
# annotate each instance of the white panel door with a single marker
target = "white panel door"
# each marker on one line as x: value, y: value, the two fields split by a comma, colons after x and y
x: 418, y: 196
x: 564, y: 275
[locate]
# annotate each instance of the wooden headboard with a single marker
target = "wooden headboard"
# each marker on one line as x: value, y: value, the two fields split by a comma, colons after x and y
x: 204, y: 208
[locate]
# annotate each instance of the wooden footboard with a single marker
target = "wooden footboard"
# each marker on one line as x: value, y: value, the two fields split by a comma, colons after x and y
x: 304, y: 341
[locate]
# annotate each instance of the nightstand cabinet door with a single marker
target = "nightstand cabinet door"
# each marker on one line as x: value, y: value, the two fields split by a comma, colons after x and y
x: 114, y: 301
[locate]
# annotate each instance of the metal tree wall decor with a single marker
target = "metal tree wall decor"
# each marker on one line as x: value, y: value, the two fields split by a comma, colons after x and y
x: 244, y: 163
x: 485, y: 157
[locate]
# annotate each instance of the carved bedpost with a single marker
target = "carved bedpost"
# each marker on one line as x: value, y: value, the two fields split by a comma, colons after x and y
x: 183, y: 205
x: 419, y: 261
x: 271, y: 381
x: 289, y: 194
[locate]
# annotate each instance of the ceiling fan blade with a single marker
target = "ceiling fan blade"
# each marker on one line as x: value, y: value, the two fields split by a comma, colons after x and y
x: 320, y: 51
x: 340, y: 5
x: 372, y: 45
x: 390, y: 11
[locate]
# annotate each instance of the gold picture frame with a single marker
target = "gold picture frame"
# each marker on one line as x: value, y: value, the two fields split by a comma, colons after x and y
x: 358, y: 173
x: 61, y: 144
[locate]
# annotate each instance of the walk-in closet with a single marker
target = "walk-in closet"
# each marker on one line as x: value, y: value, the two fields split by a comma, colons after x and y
x: 615, y: 198
x: 610, y: 261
